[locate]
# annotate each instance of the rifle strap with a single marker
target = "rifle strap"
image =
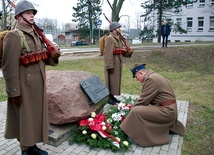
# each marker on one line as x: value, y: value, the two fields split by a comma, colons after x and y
x: 23, y: 40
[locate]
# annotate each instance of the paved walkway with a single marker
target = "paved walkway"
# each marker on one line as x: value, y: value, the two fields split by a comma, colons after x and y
x: 11, y: 147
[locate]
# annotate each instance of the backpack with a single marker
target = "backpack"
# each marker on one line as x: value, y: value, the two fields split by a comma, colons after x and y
x: 102, y: 43
x: 2, y: 35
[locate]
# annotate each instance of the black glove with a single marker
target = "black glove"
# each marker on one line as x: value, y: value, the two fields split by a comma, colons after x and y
x: 111, y: 71
x: 16, y: 100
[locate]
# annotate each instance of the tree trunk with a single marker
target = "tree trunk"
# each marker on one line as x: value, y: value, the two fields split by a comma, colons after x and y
x: 160, y: 15
x: 116, y: 7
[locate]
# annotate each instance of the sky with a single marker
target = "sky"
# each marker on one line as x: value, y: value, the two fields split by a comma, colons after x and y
x: 62, y: 10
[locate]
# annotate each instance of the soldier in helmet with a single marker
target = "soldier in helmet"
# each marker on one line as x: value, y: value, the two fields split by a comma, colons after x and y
x: 27, y: 111
x: 113, y: 57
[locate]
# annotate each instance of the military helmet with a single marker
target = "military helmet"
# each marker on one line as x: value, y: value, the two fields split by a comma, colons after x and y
x: 114, y: 25
x: 23, y: 6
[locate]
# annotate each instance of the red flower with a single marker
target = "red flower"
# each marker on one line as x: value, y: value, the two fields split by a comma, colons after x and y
x: 96, y: 127
x: 100, y: 118
x: 129, y: 106
x: 84, y: 122
x: 122, y: 118
x: 109, y: 127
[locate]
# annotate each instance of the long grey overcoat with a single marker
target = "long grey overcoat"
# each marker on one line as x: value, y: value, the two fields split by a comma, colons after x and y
x: 113, y: 81
x: 148, y: 123
x: 29, y: 123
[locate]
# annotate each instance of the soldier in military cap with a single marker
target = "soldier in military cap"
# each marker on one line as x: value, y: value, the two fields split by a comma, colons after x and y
x: 155, y: 113
x: 113, y: 57
x: 27, y: 109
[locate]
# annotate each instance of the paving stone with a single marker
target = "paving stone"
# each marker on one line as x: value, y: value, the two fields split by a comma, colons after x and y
x: 138, y: 151
x: 8, y: 147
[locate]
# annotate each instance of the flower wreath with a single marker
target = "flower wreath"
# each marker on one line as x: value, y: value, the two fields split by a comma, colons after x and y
x: 102, y: 130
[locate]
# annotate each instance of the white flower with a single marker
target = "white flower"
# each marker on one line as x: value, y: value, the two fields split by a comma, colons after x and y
x: 116, y: 117
x: 115, y: 132
x: 118, y: 139
x: 122, y: 113
x: 121, y: 106
x: 104, y: 127
x: 125, y: 143
x: 103, y: 123
x: 126, y: 108
x: 109, y: 120
x: 90, y: 119
x: 93, y: 114
x: 93, y: 135
x: 84, y: 132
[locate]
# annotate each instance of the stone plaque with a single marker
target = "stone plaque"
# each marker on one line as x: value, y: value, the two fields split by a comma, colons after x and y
x: 94, y: 88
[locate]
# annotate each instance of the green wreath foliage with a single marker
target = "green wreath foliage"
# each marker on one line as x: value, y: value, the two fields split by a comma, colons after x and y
x: 83, y: 134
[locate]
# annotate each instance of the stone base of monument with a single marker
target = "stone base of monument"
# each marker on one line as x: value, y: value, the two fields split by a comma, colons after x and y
x: 60, y: 133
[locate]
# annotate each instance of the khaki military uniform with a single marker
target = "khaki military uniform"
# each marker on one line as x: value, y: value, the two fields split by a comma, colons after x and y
x: 148, y: 123
x: 113, y: 81
x: 29, y: 123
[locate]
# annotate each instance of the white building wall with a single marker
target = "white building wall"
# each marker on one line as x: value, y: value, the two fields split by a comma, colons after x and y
x: 194, y: 11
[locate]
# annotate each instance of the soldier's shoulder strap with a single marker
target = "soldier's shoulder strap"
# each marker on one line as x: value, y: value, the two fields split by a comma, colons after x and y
x: 23, y: 40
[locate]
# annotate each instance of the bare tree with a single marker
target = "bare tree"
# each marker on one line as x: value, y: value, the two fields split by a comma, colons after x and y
x: 138, y: 21
x: 47, y: 25
x: 7, y: 18
x: 116, y: 7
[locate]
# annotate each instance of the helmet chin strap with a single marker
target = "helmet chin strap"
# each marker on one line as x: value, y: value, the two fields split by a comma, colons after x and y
x: 25, y: 20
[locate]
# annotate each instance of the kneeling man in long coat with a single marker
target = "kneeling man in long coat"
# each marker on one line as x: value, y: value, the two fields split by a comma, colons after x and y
x: 155, y: 113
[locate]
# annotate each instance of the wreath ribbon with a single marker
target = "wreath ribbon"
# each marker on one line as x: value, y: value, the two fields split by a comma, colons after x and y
x: 96, y: 124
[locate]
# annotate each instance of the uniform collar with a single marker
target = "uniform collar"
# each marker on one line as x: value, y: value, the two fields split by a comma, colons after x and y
x: 24, y: 27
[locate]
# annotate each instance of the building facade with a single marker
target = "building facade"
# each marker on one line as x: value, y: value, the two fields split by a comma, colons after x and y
x: 197, y: 18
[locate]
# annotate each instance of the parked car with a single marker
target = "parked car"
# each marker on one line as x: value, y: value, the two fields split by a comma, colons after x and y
x: 79, y: 43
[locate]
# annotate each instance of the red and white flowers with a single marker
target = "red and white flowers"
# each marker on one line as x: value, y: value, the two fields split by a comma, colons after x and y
x: 103, y: 129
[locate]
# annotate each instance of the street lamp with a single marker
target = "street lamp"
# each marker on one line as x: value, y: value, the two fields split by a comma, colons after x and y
x: 91, y: 31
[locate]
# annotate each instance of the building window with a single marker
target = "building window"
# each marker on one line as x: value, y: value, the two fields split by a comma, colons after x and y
x: 200, y: 23
x: 212, y: 2
x: 189, y: 24
x: 212, y: 23
x: 190, y: 4
x: 201, y: 3
x: 178, y: 21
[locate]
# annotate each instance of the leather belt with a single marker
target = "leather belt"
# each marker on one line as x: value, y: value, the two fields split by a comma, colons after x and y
x: 167, y: 103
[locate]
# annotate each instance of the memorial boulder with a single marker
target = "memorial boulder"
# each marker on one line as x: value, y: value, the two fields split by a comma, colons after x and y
x: 67, y: 100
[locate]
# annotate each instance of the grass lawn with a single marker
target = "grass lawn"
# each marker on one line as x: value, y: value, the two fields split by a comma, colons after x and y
x: 191, y: 73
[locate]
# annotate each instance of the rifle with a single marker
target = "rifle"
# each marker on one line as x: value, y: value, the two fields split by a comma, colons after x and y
x: 51, y: 48
x: 121, y: 37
